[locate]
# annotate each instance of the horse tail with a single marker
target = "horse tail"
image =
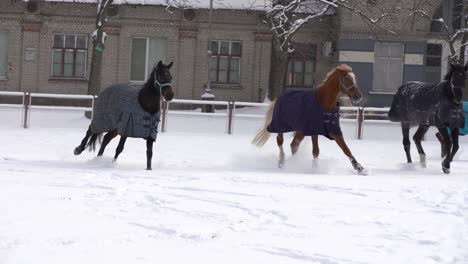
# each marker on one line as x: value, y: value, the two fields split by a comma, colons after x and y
x: 394, y: 114
x: 262, y: 137
x: 91, y: 145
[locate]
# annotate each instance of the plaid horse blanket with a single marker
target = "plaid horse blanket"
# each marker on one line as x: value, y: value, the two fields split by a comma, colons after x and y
x: 299, y: 110
x: 117, y: 107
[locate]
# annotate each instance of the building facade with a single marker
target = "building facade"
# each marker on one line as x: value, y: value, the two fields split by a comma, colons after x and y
x: 46, y: 47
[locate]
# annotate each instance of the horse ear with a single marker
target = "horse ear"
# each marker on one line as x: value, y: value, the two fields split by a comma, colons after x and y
x: 170, y: 65
x: 159, y: 64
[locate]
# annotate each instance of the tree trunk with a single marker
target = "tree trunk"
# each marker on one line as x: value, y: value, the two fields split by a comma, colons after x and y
x: 278, y: 70
x: 94, y: 84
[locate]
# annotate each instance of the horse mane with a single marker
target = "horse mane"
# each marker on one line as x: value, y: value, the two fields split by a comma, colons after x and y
x: 342, y: 67
x: 149, y: 84
x: 453, y: 68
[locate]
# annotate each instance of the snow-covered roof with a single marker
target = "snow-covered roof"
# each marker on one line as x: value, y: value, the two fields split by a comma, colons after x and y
x: 218, y: 4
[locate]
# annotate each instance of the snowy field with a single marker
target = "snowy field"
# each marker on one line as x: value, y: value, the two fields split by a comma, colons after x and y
x: 214, y: 198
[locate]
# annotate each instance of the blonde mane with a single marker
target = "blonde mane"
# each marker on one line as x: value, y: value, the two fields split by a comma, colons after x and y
x: 342, y: 67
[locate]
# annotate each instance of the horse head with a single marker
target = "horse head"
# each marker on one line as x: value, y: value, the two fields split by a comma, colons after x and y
x: 348, y: 83
x: 162, y: 80
x: 456, y: 77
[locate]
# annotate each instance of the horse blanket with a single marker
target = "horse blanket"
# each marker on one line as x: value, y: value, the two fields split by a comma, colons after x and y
x: 419, y: 103
x: 299, y: 110
x: 117, y: 107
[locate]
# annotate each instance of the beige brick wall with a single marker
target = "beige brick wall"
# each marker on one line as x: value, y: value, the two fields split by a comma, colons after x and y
x: 187, y: 42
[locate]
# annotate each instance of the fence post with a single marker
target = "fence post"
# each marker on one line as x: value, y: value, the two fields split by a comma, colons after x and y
x: 26, y: 103
x: 230, y: 116
x: 360, y: 120
x: 164, y: 116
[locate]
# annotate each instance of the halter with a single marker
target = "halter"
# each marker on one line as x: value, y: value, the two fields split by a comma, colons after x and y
x: 453, y: 89
x: 161, y: 85
x: 348, y: 88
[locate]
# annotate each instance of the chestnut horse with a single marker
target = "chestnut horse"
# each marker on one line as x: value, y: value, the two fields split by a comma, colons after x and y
x: 310, y: 112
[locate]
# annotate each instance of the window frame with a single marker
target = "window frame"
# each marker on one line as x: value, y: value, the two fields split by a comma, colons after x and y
x: 63, y: 51
x: 433, y: 73
x: 148, y: 40
x: 146, y: 59
x: 304, y: 58
x: 386, y: 89
x: 5, y: 77
x: 229, y: 57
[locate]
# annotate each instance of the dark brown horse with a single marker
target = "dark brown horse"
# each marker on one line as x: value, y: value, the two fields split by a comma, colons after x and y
x: 311, y: 113
x: 129, y: 112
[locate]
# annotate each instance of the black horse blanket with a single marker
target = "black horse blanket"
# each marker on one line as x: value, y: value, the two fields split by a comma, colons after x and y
x: 299, y: 110
x: 117, y: 107
x: 419, y: 103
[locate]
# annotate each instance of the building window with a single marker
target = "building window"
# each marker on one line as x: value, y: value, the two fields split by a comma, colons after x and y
x: 146, y: 52
x: 69, y: 55
x: 225, y: 61
x: 301, y: 66
x: 433, y: 62
x: 3, y: 55
x: 388, y: 66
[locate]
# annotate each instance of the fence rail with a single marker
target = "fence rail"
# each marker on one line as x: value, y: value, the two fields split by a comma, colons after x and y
x: 358, y: 115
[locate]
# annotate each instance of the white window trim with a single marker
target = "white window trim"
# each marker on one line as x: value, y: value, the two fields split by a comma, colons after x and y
x: 146, y: 61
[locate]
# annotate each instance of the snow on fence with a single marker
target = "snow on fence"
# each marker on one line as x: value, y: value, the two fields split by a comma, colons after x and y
x: 358, y: 115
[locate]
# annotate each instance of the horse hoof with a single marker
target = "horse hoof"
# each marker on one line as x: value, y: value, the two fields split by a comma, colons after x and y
x: 446, y: 170
x: 315, y: 162
x: 294, y: 149
x: 422, y: 161
x: 363, y: 172
x: 149, y: 169
x: 77, y: 151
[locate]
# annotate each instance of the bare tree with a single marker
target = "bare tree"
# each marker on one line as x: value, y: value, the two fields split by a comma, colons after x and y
x: 287, y: 17
x: 98, y: 37
x: 456, y: 36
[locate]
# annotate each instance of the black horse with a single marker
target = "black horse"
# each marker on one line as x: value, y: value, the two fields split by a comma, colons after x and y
x: 129, y: 112
x: 425, y: 105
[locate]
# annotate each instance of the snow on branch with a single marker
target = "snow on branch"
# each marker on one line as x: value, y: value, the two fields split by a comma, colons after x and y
x: 450, y: 35
x: 286, y: 17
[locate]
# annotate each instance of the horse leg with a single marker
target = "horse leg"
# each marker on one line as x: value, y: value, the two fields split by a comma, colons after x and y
x: 455, y: 133
x: 442, y: 145
x: 280, y: 141
x: 341, y: 142
x: 149, y: 152
x: 107, y: 138
x: 298, y: 137
x: 448, y: 148
x: 120, y: 147
x: 417, y: 141
x: 406, y: 142
x: 315, y: 146
x: 82, y: 146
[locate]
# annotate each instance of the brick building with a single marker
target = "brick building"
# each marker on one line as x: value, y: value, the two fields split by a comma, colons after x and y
x: 45, y: 47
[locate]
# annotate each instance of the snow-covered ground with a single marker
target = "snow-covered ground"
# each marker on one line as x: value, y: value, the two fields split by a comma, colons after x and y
x: 214, y: 198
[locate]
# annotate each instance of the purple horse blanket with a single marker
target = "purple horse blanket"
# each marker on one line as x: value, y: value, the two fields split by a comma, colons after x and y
x: 299, y: 110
